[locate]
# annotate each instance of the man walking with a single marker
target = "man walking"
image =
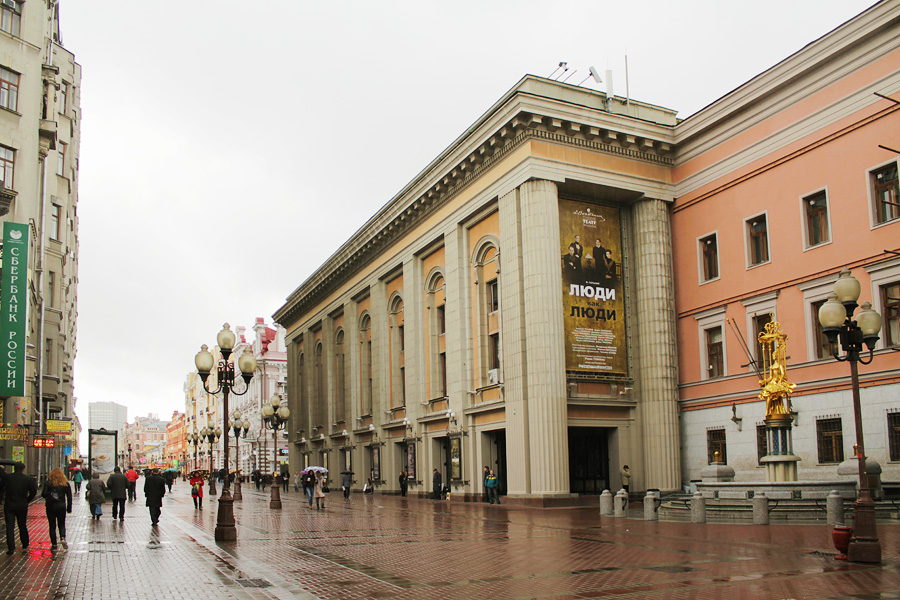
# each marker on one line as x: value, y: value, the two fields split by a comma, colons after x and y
x: 492, y: 485
x: 117, y: 484
x: 154, y: 490
x: 132, y: 476
x: 20, y: 490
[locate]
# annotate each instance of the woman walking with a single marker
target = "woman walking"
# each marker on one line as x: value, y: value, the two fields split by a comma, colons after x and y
x: 197, y: 489
x: 78, y: 478
x: 57, y: 497
x: 96, y: 494
x: 319, y: 493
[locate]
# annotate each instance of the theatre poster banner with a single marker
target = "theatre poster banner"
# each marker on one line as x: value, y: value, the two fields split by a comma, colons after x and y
x: 593, y: 303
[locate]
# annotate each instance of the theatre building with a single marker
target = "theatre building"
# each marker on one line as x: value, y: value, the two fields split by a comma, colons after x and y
x: 534, y: 301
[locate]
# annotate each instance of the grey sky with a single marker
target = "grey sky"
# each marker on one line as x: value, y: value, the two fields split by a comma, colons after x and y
x: 228, y: 148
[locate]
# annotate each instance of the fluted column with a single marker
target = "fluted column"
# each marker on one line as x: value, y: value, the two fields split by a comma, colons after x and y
x: 545, y: 362
x: 656, y: 343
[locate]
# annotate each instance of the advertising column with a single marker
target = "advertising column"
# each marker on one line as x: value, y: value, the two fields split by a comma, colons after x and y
x: 13, y: 322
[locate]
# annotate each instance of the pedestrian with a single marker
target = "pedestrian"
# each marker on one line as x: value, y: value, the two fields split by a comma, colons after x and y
x: 492, y: 485
x: 437, y: 482
x: 346, y: 482
x: 96, y: 495
x: 626, y: 479
x: 154, y: 490
x: 197, y: 489
x: 404, y: 478
x: 319, y: 490
x: 57, y: 497
x: 296, y: 480
x: 309, y: 486
x: 132, y: 476
x: 78, y: 478
x: 118, y: 491
x: 19, y: 490
x: 285, y: 480
x: 169, y: 478
x: 257, y: 479
x: 485, y: 496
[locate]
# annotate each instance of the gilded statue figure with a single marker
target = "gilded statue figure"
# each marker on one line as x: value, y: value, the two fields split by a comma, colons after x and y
x: 776, y: 389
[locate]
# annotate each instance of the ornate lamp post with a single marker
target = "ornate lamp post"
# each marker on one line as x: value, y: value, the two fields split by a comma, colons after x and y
x: 225, y: 372
x: 238, y: 426
x: 194, y: 439
x: 275, y: 416
x: 211, y: 434
x: 836, y: 317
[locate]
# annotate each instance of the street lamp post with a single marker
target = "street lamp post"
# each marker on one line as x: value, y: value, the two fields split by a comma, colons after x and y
x: 211, y: 433
x: 238, y: 427
x: 225, y: 372
x: 194, y: 438
x: 836, y: 317
x: 275, y: 416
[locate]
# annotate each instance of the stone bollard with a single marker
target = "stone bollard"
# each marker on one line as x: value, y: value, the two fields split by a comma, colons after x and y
x: 650, y: 507
x: 620, y: 505
x: 760, y: 509
x: 606, y: 504
x: 698, y: 508
x: 834, y: 506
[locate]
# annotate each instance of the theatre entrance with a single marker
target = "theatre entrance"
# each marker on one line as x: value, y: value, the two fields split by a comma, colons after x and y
x: 588, y: 460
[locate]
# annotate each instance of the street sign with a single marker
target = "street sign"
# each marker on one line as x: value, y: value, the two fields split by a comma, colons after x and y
x: 58, y: 426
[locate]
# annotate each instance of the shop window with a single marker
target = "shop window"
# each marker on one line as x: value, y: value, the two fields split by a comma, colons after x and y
x: 886, y: 193
x: 715, y: 446
x: 762, y: 443
x: 830, y: 440
x: 817, y: 224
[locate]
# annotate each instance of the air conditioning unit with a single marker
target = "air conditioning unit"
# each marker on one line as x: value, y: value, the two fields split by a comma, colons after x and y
x: 11, y: 3
x: 493, y: 376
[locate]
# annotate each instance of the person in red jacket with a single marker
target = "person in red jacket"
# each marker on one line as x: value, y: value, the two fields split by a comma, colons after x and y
x: 132, y: 476
x: 196, y: 482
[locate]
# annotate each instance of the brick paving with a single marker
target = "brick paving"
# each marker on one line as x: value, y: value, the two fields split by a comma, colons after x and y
x: 389, y: 547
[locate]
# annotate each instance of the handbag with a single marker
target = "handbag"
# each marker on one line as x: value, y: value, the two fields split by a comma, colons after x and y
x: 325, y: 488
x: 98, y: 509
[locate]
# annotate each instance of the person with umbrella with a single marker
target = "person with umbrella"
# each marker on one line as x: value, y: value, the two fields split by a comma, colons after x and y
x: 346, y: 482
x: 319, y: 490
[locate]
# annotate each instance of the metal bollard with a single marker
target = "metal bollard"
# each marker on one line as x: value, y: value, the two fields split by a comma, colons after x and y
x: 834, y: 507
x: 620, y: 506
x: 606, y: 504
x: 651, y: 507
x: 760, y: 509
x: 698, y: 508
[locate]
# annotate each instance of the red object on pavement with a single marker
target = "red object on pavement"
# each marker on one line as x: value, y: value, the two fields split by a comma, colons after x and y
x: 840, y: 536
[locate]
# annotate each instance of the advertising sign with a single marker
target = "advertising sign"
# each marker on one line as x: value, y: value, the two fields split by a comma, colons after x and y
x: 411, y: 459
x: 11, y: 433
x: 13, y: 306
x: 102, y: 450
x: 58, y: 427
x: 593, y: 302
x: 376, y: 463
x: 455, y: 458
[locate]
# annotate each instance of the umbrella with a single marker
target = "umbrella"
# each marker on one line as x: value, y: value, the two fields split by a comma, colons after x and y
x: 317, y: 469
x: 171, y: 470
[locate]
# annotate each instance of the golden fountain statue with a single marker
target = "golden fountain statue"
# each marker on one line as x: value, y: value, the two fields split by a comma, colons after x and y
x: 776, y: 389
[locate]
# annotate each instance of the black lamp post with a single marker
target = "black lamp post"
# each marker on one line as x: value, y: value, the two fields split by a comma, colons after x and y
x: 836, y: 317
x: 225, y: 372
x: 275, y: 416
x: 240, y: 429
x: 211, y: 434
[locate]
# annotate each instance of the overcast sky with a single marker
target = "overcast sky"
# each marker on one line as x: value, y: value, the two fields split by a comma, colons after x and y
x: 228, y: 148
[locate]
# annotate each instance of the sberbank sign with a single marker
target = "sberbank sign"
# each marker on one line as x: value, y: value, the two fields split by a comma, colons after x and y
x: 13, y: 305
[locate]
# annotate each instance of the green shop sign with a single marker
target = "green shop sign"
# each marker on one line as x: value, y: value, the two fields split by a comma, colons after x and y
x: 13, y: 304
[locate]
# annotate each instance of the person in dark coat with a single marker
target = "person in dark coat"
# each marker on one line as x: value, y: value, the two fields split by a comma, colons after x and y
x: 118, y: 490
x: 154, y: 490
x: 437, y: 482
x: 404, y: 485
x: 346, y: 482
x: 19, y: 490
x: 57, y: 497
x: 96, y: 495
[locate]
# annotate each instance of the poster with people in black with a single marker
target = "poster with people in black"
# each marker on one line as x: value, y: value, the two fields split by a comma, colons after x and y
x: 593, y: 303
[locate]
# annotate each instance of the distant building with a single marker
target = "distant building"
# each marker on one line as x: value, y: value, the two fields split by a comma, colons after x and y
x: 144, y: 441
x: 107, y: 415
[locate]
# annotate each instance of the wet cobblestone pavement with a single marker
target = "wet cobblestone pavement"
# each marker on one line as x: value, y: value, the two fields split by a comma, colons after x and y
x: 390, y: 547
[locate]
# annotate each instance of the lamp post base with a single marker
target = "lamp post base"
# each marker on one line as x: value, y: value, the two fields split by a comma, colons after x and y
x: 237, y: 489
x: 225, y: 529
x: 864, y: 545
x: 275, y: 498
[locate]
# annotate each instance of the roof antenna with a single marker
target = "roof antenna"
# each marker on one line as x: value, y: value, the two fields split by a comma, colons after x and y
x: 562, y: 65
x: 592, y: 72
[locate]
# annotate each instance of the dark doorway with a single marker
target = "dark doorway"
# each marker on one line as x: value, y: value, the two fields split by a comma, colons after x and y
x: 588, y: 460
x: 497, y: 458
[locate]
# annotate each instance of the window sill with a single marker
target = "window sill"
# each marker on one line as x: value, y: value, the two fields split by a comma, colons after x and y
x: 762, y: 264
x: 713, y: 280
x: 883, y: 223
x: 819, y: 245
x: 10, y: 110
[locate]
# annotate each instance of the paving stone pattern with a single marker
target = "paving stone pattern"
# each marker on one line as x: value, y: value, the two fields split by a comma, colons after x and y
x: 389, y: 547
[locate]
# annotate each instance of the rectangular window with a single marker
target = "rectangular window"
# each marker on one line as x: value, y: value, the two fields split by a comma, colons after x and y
x: 493, y: 296
x: 715, y: 446
x: 494, y: 351
x: 10, y: 16
x: 51, y: 288
x: 817, y: 231
x: 7, y: 167
x: 823, y: 348
x: 63, y: 97
x: 55, y: 221
x: 886, y: 193
x: 402, y: 339
x: 710, y: 257
x: 762, y: 443
x: 61, y: 159
x: 759, y: 326
x: 830, y: 440
x: 442, y: 366
x: 9, y: 89
x: 893, y: 422
x: 890, y: 306
x: 758, y: 237
x: 48, y: 356
x: 441, y: 320
x: 714, y: 353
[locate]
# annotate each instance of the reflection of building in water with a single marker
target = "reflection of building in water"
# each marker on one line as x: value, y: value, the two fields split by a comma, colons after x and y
x: 448, y: 316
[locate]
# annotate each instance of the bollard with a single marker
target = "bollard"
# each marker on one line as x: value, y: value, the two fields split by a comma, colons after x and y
x: 760, y: 509
x: 834, y: 506
x: 606, y: 504
x: 650, y: 507
x: 620, y: 505
x: 698, y: 508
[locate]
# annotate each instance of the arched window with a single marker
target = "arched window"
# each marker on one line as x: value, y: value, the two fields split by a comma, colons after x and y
x: 365, y: 364
x: 319, y: 410
x: 486, y: 262
x: 339, y: 375
x: 397, y: 352
x: 437, y: 328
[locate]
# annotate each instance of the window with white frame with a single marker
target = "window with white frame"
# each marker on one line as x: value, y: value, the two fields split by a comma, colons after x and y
x: 816, y: 222
x: 885, y: 191
x: 61, y: 159
x: 10, y: 16
x: 711, y: 334
x: 885, y: 277
x: 708, y: 249
x: 815, y: 293
x: 756, y: 230
x: 830, y: 439
x: 7, y: 167
x: 760, y: 310
x: 9, y: 89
